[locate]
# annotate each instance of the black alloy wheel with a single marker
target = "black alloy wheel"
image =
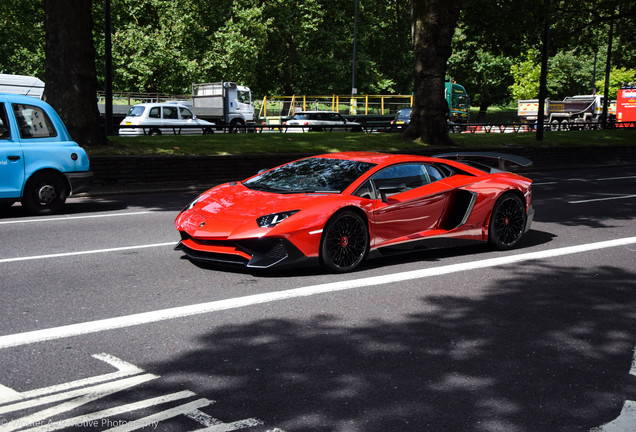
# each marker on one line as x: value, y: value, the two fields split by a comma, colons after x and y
x: 507, y: 222
x: 345, y: 242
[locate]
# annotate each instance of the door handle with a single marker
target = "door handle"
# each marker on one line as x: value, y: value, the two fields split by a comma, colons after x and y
x: 13, y: 158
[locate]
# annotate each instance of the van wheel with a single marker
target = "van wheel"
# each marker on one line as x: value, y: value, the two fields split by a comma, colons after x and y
x: 155, y: 132
x: 44, y: 193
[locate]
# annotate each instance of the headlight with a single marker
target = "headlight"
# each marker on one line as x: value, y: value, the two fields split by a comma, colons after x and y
x: 271, y: 220
x: 191, y: 205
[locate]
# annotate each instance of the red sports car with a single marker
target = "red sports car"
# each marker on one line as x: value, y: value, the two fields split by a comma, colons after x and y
x: 334, y: 209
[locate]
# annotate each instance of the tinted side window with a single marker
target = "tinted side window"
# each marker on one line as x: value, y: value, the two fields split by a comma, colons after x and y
x: 155, y: 112
x: 434, y: 173
x: 185, y: 113
x: 5, y: 131
x: 365, y: 191
x: 33, y: 122
x: 411, y: 175
x: 170, y: 113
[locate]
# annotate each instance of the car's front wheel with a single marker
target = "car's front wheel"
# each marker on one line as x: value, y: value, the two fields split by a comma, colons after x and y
x: 345, y: 242
x: 507, y: 222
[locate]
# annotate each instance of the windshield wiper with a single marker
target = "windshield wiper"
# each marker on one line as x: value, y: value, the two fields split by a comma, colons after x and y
x: 329, y: 191
x: 264, y: 188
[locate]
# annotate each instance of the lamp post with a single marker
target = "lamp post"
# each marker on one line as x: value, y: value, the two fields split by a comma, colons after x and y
x: 108, y: 68
x: 354, y: 90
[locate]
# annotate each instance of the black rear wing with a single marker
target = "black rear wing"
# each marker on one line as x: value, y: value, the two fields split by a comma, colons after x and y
x: 473, y: 158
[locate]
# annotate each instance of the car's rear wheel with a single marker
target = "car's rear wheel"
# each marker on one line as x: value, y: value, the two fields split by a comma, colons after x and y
x: 507, y: 222
x: 345, y: 242
x: 44, y: 193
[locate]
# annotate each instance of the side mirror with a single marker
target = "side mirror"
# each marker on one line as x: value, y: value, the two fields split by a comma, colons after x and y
x: 390, y: 189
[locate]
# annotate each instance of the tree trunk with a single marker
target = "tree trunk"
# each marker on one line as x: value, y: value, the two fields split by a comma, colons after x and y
x: 71, y: 78
x: 433, y: 26
x: 483, y: 110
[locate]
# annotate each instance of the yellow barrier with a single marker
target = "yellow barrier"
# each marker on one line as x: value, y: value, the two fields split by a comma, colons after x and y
x: 286, y: 106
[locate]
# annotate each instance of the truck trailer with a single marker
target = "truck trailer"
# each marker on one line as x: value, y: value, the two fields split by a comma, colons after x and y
x: 573, y: 112
x: 225, y: 103
x: 626, y: 106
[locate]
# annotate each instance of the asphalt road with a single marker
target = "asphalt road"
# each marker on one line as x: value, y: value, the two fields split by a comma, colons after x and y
x: 104, y: 327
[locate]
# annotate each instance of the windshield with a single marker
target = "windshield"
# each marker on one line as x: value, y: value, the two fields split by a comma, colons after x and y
x: 404, y: 114
x: 302, y: 116
x: 136, y: 111
x: 310, y: 175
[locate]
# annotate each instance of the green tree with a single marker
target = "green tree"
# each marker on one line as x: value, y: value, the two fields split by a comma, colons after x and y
x: 158, y: 45
x: 618, y: 77
x: 485, y: 74
x: 526, y: 76
x: 22, y: 37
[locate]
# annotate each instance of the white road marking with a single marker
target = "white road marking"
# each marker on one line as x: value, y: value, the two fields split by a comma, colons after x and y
x: 88, y: 252
x: 602, y: 199
x: 625, y: 422
x: 71, y: 330
x: 92, y: 419
x: 583, y: 180
x: 69, y: 396
x: 124, y: 370
x: 67, y: 218
x: 617, y: 178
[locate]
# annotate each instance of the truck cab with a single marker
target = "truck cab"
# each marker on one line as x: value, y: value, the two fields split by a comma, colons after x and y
x: 40, y: 165
x: 227, y: 103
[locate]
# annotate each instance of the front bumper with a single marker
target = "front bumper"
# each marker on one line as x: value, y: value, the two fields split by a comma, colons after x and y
x: 251, y: 253
x: 80, y: 181
x: 529, y: 218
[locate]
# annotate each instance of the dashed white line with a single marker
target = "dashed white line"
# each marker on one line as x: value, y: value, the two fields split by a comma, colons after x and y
x: 617, y: 178
x: 68, y: 218
x: 234, y: 303
x: 602, y: 199
x: 87, y: 252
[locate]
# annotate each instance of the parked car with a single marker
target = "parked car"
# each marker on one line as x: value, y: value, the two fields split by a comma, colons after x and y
x: 40, y: 165
x: 307, y: 121
x: 402, y: 118
x: 336, y: 208
x: 163, y: 118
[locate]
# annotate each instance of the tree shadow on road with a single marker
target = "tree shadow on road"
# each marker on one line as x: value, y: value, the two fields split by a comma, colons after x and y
x: 548, y: 350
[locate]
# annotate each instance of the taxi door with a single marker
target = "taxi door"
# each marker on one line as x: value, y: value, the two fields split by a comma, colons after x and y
x: 11, y: 158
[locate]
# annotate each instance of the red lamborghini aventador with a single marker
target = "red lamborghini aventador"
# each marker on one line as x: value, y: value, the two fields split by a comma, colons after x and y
x: 334, y: 209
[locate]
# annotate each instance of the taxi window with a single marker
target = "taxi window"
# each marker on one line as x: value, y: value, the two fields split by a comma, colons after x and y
x: 33, y: 122
x: 5, y: 131
x: 155, y: 112
x: 186, y: 114
x: 170, y: 113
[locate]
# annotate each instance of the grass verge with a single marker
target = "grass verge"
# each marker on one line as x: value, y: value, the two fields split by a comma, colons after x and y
x: 325, y: 142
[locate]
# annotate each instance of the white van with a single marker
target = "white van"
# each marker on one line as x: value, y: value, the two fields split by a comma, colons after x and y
x: 21, y: 85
